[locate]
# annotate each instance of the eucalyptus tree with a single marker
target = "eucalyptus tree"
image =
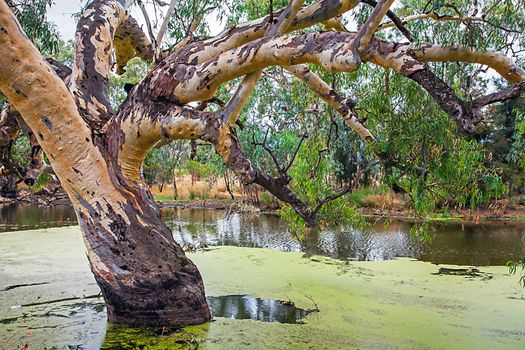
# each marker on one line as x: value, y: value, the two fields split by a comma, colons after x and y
x: 97, y: 151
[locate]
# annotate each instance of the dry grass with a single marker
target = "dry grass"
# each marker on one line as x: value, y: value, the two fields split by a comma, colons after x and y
x: 384, y: 201
x: 198, y: 190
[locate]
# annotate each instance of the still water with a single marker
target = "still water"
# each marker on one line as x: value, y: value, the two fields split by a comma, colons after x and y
x: 51, y: 306
x: 491, y: 243
x: 244, y: 307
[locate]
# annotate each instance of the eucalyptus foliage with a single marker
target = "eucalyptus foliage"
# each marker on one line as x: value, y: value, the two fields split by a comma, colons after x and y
x: 32, y: 16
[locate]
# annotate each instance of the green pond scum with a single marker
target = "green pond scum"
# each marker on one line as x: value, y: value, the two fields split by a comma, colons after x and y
x: 396, y: 304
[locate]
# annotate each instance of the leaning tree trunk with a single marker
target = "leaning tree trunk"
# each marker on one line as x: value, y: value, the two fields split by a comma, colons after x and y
x: 144, y: 275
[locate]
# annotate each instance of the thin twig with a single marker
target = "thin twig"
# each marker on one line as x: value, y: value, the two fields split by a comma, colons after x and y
x: 313, y: 302
x: 148, y: 24
x: 164, y: 27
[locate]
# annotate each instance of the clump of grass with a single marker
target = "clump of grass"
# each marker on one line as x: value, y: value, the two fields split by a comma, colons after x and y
x: 360, y: 195
x: 376, y: 198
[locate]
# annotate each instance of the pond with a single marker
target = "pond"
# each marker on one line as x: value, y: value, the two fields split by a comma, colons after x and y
x: 489, y: 243
x: 336, y: 289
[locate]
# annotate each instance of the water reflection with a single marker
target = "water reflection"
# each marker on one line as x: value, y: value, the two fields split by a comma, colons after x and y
x: 491, y: 243
x: 242, y: 307
x: 29, y: 216
x: 451, y: 243
x: 82, y: 324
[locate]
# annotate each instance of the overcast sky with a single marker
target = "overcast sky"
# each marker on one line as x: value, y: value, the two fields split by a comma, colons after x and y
x: 62, y: 10
x: 60, y: 13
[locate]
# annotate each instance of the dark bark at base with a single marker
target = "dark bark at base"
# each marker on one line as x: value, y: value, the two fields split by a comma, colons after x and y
x: 156, y: 300
x: 145, y: 278
x: 144, y: 275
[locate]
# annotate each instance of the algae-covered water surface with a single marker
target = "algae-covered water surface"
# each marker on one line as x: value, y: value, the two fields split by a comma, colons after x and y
x: 266, y: 298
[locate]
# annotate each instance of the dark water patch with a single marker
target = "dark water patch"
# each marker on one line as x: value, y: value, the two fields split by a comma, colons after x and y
x: 243, y: 307
x: 8, y: 320
x: 469, y: 272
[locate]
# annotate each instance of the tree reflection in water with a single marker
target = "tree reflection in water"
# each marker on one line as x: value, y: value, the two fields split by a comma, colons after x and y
x: 243, y: 307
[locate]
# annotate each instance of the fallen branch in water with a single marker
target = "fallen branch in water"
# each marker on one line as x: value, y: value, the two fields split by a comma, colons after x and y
x: 22, y: 285
x: 316, y: 309
x: 54, y: 301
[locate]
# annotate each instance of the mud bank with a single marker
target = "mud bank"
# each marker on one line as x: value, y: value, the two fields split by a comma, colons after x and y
x: 395, y: 304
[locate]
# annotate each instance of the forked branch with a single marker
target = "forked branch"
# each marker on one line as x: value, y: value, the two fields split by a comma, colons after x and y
x: 366, y: 32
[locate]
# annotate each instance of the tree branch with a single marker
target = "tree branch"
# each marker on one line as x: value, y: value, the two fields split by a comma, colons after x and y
x: 506, y: 94
x: 180, y: 83
x: 164, y: 27
x: 332, y: 197
x: 249, y: 174
x: 129, y: 42
x: 406, y: 61
x: 148, y: 24
x: 396, y: 21
x: 342, y: 105
x: 234, y: 107
x: 201, y: 51
x: 294, y: 155
x: 270, y: 152
x: 455, y: 53
x: 441, y: 18
x: 366, y: 32
x: 94, y: 42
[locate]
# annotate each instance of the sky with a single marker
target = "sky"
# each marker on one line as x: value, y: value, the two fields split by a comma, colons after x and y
x: 60, y: 13
x: 62, y: 10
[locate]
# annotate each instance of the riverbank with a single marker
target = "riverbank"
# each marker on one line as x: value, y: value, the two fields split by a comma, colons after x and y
x: 395, y: 304
x: 515, y: 213
x: 501, y: 211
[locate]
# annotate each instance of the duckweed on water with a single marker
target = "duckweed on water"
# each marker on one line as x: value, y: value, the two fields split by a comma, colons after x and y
x: 396, y: 304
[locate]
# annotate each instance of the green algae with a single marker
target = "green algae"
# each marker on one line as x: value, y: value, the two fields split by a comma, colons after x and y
x: 393, y: 304
x: 398, y: 304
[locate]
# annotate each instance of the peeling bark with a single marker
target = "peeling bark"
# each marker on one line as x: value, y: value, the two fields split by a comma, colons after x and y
x: 9, y: 173
x: 144, y: 275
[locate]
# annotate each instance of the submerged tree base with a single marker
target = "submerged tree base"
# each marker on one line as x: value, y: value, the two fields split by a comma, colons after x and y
x: 377, y: 305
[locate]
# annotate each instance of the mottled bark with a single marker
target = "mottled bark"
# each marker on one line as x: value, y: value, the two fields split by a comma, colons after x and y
x: 11, y: 127
x: 144, y: 275
x: 365, y: 33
